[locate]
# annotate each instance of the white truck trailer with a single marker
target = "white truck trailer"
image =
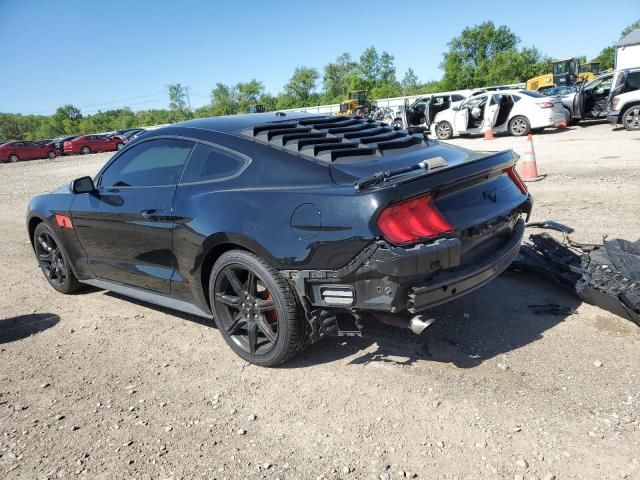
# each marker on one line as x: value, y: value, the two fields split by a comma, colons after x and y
x: 628, y: 51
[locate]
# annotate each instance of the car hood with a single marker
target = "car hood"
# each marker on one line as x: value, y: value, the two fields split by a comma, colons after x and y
x: 632, y: 95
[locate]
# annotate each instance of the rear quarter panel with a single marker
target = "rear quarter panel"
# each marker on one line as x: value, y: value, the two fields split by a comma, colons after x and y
x: 256, y: 211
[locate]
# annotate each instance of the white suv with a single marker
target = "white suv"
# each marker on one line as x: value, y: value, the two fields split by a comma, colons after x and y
x: 625, y: 104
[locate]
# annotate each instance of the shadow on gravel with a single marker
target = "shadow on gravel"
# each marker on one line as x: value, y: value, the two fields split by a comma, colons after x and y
x: 22, y: 326
x: 493, y: 320
x: 488, y: 322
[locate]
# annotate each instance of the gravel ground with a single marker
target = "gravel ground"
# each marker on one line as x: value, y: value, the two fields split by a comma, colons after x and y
x: 97, y: 386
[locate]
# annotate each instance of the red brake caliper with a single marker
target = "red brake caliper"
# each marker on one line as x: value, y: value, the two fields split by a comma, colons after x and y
x: 271, y: 315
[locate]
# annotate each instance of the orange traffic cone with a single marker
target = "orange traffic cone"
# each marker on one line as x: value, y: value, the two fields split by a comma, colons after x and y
x: 528, y: 169
x: 488, y: 134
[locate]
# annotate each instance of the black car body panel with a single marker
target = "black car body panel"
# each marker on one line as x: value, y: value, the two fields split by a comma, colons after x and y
x: 298, y: 212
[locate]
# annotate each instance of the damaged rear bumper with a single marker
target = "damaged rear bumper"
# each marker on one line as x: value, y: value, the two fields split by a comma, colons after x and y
x: 385, y: 278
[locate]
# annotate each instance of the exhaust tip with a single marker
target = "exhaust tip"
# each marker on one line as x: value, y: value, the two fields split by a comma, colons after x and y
x: 419, y: 324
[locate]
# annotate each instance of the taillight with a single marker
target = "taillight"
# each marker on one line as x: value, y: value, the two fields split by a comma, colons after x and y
x: 413, y: 220
x: 545, y: 104
x: 515, y: 178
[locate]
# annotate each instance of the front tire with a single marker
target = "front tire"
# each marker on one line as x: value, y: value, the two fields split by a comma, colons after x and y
x: 631, y: 118
x: 444, y: 130
x: 53, y: 260
x: 119, y: 146
x: 85, y: 150
x: 51, y: 155
x: 255, y: 309
x: 519, y: 126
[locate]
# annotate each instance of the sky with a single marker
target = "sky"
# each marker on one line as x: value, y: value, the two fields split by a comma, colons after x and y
x: 100, y: 55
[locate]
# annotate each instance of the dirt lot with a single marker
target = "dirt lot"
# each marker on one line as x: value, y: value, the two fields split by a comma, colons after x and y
x: 97, y: 386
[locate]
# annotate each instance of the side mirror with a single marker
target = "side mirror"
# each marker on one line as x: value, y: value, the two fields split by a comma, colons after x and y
x: 83, y: 185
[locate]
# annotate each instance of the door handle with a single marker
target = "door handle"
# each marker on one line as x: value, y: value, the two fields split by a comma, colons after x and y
x: 152, y: 214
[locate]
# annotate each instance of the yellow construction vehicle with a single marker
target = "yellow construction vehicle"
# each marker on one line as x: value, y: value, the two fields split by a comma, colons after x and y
x: 588, y: 71
x: 355, y: 104
x: 565, y: 72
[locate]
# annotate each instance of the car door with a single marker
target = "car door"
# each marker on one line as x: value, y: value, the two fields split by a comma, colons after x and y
x: 36, y: 150
x: 461, y: 118
x: 125, y: 227
x: 19, y: 149
x: 491, y: 111
x: 618, y: 85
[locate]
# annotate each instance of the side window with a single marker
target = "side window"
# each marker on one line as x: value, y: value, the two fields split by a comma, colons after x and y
x: 633, y: 81
x: 456, y: 98
x: 515, y: 98
x: 148, y: 164
x: 211, y: 163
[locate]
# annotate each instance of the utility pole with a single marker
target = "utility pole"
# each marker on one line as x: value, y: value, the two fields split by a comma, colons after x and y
x: 188, y: 99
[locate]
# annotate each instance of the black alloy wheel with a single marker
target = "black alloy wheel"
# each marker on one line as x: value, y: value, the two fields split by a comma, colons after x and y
x: 53, y: 260
x: 255, y: 309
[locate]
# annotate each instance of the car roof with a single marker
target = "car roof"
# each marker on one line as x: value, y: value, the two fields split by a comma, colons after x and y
x: 234, y: 124
x: 323, y: 138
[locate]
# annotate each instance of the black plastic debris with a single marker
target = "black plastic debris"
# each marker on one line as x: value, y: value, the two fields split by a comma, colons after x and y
x: 606, y: 275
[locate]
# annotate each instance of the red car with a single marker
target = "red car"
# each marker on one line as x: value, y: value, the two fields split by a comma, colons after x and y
x: 94, y: 143
x: 25, y: 150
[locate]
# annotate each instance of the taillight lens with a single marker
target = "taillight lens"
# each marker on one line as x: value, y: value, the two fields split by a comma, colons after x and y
x: 413, y: 220
x: 515, y: 178
x: 545, y: 104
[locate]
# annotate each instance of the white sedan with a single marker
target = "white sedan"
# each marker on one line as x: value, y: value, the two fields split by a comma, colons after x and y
x: 515, y: 111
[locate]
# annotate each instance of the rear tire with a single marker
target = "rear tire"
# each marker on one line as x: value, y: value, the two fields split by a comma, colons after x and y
x: 53, y: 260
x: 13, y: 158
x: 51, y: 155
x: 519, y: 126
x: 444, y: 130
x: 85, y: 150
x: 255, y: 309
x: 631, y: 118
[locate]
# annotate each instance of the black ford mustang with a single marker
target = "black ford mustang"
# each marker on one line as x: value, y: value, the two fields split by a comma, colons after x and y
x: 285, y: 227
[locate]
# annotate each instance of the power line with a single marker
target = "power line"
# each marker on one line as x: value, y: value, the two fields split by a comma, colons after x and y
x: 113, y: 102
x: 128, y: 105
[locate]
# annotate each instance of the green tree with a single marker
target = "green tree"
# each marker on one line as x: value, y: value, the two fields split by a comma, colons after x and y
x: 248, y: 93
x: 606, y: 57
x: 515, y: 66
x: 178, y: 102
x: 224, y: 100
x: 337, y: 78
x: 630, y: 28
x: 177, y: 97
x: 409, y: 82
x: 369, y: 67
x: 302, y: 83
x: 66, y: 120
x: 387, y: 70
x: 467, y: 61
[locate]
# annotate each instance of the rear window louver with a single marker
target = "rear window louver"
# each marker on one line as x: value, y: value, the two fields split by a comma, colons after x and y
x: 331, y: 138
